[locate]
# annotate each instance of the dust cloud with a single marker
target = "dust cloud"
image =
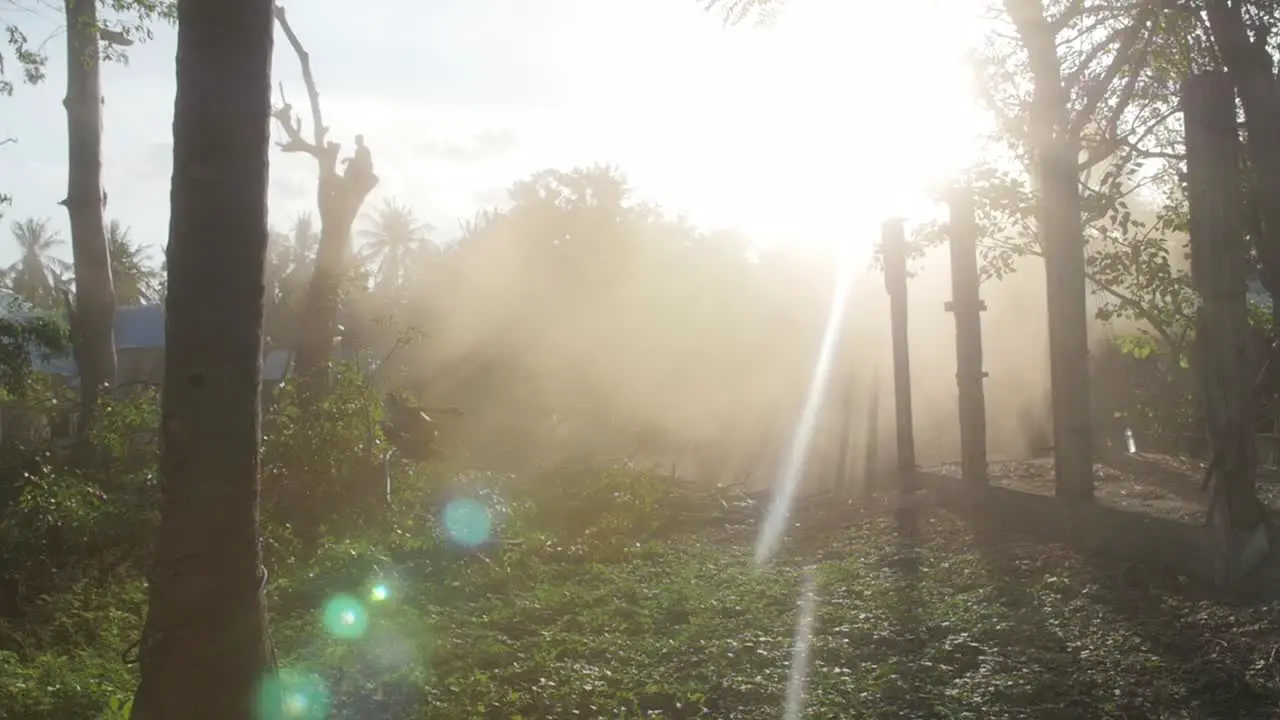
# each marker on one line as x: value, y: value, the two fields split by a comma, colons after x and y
x: 698, y: 362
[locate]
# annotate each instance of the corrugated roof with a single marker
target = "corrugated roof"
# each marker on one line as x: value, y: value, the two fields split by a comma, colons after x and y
x: 136, y: 328
x: 140, y: 327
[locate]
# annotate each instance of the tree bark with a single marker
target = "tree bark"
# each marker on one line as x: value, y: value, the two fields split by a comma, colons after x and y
x: 205, y: 652
x: 967, y: 306
x: 95, y: 350
x: 1251, y: 69
x: 339, y: 204
x: 1223, y: 344
x: 1058, y: 219
x: 1055, y: 151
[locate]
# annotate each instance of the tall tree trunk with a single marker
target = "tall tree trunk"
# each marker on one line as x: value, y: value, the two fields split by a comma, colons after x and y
x: 1251, y: 69
x: 1059, y: 223
x: 1055, y: 156
x: 340, y: 203
x: 1223, y: 344
x: 94, y: 312
x: 205, y: 652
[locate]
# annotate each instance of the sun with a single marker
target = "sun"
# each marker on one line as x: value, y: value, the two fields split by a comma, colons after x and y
x: 818, y: 127
x: 876, y: 106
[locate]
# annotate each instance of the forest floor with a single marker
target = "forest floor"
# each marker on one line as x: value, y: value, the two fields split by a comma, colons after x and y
x: 600, y: 625
x: 972, y: 628
x: 1160, y: 485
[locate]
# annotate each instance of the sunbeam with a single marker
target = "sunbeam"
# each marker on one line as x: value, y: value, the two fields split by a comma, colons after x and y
x: 800, y: 649
x: 784, y: 491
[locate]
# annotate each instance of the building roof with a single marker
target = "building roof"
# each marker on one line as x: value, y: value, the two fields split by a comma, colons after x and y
x: 136, y: 328
x: 276, y: 364
x: 140, y: 327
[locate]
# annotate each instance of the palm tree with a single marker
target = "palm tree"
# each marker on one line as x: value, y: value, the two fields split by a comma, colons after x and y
x: 205, y: 650
x: 37, y: 277
x: 290, y: 261
x: 295, y: 251
x: 394, y: 241
x: 136, y: 280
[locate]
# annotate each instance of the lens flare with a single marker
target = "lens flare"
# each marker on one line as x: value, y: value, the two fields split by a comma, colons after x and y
x: 345, y: 617
x: 293, y: 695
x: 379, y: 592
x: 467, y: 522
x: 393, y: 648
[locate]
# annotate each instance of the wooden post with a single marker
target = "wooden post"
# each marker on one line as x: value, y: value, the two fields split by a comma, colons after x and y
x: 1222, y: 353
x: 894, y: 247
x: 966, y: 305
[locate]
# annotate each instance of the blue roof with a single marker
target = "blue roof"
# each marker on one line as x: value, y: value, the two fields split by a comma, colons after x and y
x: 137, y: 328
x: 140, y: 327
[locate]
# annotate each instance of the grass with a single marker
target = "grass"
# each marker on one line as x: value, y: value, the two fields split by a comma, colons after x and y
x: 689, y: 629
x: 686, y: 627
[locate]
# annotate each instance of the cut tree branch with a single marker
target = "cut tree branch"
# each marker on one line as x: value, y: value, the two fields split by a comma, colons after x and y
x: 316, y: 146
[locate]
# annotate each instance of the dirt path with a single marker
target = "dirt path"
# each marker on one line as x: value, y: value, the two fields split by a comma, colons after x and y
x: 1159, y: 485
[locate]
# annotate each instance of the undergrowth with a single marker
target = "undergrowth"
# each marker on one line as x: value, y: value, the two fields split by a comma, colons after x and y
x: 614, y: 592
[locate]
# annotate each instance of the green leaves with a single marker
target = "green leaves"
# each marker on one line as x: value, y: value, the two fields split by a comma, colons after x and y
x: 125, y: 23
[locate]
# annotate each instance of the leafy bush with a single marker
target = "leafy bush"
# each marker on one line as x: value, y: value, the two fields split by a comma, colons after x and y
x: 592, y: 591
x: 125, y: 437
x: 323, y: 461
x: 64, y: 659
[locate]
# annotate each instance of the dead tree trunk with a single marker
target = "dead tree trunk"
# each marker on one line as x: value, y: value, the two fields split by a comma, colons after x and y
x: 967, y: 305
x: 339, y: 196
x: 1223, y: 350
x: 94, y: 311
x: 894, y: 247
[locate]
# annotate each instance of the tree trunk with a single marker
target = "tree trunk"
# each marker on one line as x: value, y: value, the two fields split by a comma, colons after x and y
x: 205, y: 652
x: 95, y: 302
x: 1250, y: 67
x: 967, y: 306
x: 1059, y: 223
x: 339, y: 196
x: 1223, y: 345
x: 1055, y: 152
x: 340, y: 202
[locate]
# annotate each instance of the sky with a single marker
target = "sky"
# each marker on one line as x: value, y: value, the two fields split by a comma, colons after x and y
x: 811, y: 129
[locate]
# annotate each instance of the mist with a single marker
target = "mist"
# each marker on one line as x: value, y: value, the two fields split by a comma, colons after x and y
x: 579, y: 324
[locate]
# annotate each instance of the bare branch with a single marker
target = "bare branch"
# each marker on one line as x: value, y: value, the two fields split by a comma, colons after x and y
x: 1123, y: 58
x: 292, y: 125
x: 1076, y: 78
x: 316, y: 146
x: 1113, y: 140
x: 1077, y: 10
x: 8, y: 140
